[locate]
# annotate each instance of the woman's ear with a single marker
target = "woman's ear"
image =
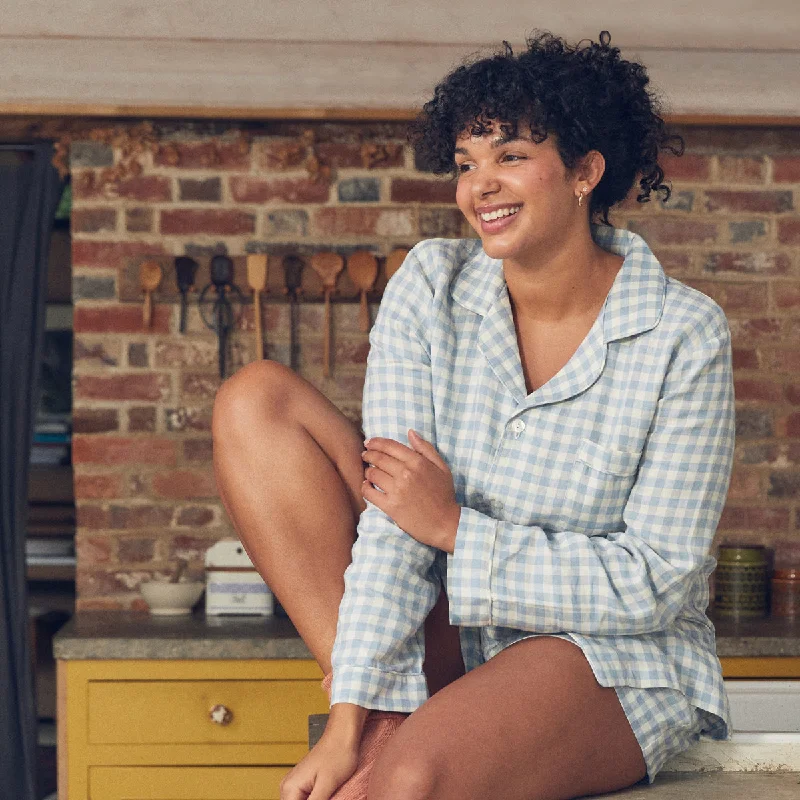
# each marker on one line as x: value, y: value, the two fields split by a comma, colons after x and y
x: 590, y: 170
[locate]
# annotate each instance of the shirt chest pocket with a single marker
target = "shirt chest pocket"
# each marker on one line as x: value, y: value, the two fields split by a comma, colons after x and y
x: 599, y: 485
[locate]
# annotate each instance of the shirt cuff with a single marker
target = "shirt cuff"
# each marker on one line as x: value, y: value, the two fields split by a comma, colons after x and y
x: 469, y: 570
x: 376, y: 689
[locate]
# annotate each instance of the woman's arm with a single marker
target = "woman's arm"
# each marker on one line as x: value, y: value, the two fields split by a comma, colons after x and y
x: 390, y: 586
x: 629, y: 581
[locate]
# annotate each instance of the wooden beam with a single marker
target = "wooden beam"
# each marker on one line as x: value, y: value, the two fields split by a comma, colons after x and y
x: 238, y: 113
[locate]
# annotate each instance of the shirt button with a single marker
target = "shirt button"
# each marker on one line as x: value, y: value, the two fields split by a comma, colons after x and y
x: 517, y: 426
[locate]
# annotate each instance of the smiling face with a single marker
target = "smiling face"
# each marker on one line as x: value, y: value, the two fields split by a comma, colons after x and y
x: 518, y: 195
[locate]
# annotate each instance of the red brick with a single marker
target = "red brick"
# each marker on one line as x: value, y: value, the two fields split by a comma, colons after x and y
x: 343, y: 221
x: 91, y: 516
x: 750, y: 389
x: 346, y: 351
x: 745, y: 359
x: 793, y: 425
x: 146, y: 189
x: 188, y: 419
x: 93, y: 549
x: 792, y: 393
x: 97, y: 487
x: 742, y: 140
x: 195, y: 516
x: 139, y: 516
x: 297, y: 190
x: 781, y: 359
x: 734, y: 169
x: 674, y: 231
x: 185, y: 483
x: 119, y: 319
x: 202, y: 155
x: 745, y: 484
x: 757, y: 263
x: 139, y: 550
x: 139, y: 220
x: 95, y: 420
x: 739, y: 518
x: 789, y: 231
x: 93, y: 220
x: 131, y: 386
x: 282, y: 154
x: 760, y: 202
x: 123, y: 450
x: 674, y: 262
x: 786, y: 169
x: 197, y: 450
x: 757, y: 328
x: 688, y: 167
x: 786, y: 295
x: 412, y: 190
x: 735, y: 296
x: 93, y: 583
x: 110, y: 254
x: 208, y: 221
x: 142, y: 419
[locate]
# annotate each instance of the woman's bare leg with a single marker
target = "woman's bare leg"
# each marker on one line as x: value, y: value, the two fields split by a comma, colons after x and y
x: 530, y: 724
x: 289, y: 471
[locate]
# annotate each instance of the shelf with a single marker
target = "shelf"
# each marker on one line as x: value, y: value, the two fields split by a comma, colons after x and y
x: 50, y: 572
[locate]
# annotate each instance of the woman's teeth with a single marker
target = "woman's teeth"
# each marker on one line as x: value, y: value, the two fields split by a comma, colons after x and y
x: 501, y: 212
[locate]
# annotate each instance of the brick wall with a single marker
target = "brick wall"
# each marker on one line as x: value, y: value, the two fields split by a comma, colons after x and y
x: 143, y: 398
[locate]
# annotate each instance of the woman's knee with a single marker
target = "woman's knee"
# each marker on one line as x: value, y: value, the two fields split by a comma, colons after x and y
x: 403, y: 774
x: 258, y: 392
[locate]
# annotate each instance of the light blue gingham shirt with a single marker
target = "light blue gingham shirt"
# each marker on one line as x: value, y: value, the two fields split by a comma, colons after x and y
x: 588, y: 506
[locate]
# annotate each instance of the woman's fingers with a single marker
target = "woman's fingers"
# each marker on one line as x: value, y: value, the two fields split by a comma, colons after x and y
x: 426, y: 449
x: 383, y: 480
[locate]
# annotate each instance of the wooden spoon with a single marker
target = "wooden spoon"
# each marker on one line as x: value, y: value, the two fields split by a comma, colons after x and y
x: 149, y: 279
x: 362, y: 267
x: 394, y: 261
x: 257, y: 280
x: 327, y: 265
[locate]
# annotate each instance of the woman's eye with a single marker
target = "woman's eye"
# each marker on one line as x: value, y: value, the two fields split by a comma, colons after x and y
x: 512, y: 157
x: 463, y: 167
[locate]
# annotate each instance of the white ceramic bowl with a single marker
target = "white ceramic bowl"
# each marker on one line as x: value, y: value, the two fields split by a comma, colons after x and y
x: 171, y: 599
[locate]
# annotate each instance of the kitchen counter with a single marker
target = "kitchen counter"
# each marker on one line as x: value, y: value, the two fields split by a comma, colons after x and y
x: 137, y: 635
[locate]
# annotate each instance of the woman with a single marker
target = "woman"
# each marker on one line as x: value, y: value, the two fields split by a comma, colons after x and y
x: 551, y: 432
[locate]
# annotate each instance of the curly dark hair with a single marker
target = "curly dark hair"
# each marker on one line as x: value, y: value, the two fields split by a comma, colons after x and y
x: 585, y: 95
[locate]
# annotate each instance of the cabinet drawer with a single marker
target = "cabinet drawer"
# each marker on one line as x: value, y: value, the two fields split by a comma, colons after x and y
x: 185, y: 783
x: 177, y: 712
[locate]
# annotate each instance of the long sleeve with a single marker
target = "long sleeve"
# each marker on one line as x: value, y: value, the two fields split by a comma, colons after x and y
x: 390, y: 586
x: 632, y: 580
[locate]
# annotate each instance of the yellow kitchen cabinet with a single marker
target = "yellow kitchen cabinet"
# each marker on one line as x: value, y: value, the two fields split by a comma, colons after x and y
x: 183, y: 730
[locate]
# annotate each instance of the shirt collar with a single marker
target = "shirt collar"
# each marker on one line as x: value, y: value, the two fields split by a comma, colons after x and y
x: 634, y: 303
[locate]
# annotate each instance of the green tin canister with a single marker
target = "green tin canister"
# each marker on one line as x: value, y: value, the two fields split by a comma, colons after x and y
x: 740, y: 582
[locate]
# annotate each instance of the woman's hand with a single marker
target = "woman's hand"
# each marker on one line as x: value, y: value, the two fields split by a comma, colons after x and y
x: 326, y: 767
x: 416, y: 489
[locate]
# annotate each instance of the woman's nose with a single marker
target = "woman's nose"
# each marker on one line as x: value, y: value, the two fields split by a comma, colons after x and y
x: 485, y: 183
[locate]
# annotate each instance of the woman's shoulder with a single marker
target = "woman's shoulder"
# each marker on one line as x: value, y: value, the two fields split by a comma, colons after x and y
x: 437, y: 260
x: 698, y: 317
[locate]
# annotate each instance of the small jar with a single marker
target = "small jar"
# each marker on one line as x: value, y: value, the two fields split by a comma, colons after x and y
x: 740, y: 583
x: 786, y: 593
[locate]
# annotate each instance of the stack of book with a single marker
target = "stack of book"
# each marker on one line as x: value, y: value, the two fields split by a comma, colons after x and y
x: 51, y: 440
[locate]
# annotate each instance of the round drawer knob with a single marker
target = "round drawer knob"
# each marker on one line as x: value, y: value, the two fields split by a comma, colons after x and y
x: 220, y: 714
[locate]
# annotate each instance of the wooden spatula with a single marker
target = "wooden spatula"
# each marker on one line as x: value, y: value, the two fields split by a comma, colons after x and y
x: 394, y: 261
x: 257, y: 280
x: 328, y: 266
x: 149, y: 279
x: 362, y: 267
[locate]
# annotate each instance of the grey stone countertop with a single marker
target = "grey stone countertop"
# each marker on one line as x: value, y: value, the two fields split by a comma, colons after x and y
x: 128, y: 634
x: 123, y: 634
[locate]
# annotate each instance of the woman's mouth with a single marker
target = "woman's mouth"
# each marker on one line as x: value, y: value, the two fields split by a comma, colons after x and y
x: 498, y: 220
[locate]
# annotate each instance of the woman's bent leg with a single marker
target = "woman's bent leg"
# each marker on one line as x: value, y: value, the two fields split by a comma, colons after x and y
x: 289, y: 472
x: 530, y: 724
